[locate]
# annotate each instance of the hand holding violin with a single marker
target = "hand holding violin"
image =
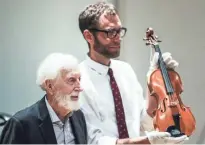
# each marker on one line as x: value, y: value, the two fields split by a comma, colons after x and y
x: 169, y: 62
x: 156, y: 137
x: 165, y: 87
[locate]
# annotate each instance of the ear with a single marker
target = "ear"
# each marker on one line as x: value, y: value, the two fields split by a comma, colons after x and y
x: 49, y: 87
x: 88, y: 36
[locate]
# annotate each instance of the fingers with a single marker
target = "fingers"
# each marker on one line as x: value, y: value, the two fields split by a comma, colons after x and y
x: 158, y: 135
x: 173, y: 64
x: 165, y: 134
x: 169, y: 61
x: 176, y: 140
x: 167, y: 58
x: 183, y: 141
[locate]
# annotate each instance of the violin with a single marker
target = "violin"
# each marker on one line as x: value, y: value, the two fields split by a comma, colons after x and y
x: 165, y: 85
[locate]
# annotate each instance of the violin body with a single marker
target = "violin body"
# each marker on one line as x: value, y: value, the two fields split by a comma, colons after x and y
x: 171, y: 113
x: 165, y: 85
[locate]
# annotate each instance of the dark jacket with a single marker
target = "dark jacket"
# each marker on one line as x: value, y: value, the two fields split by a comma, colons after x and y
x: 33, y: 125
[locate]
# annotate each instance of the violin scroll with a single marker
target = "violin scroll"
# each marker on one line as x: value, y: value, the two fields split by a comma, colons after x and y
x: 151, y: 38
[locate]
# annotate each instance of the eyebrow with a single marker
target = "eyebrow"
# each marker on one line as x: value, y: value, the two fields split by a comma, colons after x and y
x: 73, y: 77
x: 113, y: 28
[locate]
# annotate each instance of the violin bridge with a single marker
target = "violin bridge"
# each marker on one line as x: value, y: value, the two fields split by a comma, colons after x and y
x: 173, y: 104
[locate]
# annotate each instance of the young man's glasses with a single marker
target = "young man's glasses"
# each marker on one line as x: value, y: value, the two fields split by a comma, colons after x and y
x: 112, y: 33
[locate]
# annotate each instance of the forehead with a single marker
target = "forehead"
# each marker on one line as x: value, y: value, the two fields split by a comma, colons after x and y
x: 109, y: 21
x: 70, y: 73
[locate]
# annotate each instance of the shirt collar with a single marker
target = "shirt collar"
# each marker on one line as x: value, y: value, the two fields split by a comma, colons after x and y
x: 99, y: 68
x: 53, y: 115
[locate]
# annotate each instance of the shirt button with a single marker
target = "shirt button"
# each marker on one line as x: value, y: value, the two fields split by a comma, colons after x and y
x: 102, y: 116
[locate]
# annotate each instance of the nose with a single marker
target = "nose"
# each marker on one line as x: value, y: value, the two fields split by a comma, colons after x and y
x: 117, y: 38
x: 79, y: 89
x: 78, y: 86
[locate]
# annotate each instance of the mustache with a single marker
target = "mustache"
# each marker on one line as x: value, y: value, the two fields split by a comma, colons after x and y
x: 65, y: 102
x: 60, y: 99
x: 115, y: 43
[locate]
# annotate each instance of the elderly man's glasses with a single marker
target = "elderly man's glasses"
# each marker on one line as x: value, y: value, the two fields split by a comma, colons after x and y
x: 112, y: 33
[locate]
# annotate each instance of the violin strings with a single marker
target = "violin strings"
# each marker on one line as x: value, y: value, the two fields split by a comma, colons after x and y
x: 165, y: 74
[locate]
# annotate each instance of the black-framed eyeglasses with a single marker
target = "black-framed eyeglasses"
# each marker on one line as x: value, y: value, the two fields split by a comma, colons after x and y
x: 112, y: 33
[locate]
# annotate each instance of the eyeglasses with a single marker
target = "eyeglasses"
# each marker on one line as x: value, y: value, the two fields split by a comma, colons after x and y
x: 112, y: 33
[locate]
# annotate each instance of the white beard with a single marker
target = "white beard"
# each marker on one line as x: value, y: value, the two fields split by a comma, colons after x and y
x: 66, y: 102
x: 74, y: 105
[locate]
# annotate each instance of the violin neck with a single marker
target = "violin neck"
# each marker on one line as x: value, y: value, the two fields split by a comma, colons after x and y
x: 164, y: 72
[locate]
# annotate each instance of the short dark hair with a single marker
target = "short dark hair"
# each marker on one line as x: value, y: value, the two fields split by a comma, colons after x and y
x: 89, y: 17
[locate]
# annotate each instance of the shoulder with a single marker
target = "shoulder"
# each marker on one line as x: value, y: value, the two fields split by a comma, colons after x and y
x: 124, y: 69
x: 121, y: 65
x: 82, y: 63
x: 83, y: 67
x: 27, y: 114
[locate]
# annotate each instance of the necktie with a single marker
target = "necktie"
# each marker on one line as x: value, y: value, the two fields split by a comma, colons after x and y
x: 119, y: 110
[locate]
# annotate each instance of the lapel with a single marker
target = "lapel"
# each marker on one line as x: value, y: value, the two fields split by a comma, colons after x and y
x: 78, y: 128
x: 45, y: 125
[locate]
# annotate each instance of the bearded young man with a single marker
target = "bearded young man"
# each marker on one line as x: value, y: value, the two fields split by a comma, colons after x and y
x: 112, y: 97
x: 56, y: 118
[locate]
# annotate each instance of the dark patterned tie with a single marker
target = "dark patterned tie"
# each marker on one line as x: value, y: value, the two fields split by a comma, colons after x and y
x: 119, y: 110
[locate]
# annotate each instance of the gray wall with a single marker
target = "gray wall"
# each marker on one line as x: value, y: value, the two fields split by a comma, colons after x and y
x: 180, y: 25
x: 30, y: 29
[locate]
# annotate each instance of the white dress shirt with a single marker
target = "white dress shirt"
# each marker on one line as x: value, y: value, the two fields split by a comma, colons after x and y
x: 97, y: 99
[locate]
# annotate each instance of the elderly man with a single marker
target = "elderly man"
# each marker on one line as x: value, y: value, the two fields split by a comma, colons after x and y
x: 56, y: 118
